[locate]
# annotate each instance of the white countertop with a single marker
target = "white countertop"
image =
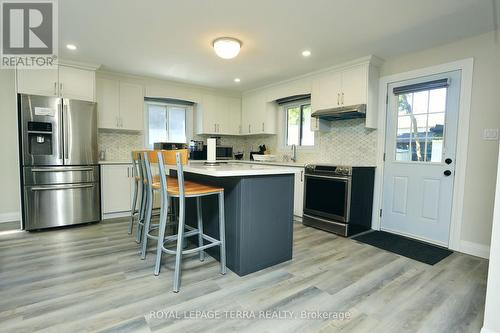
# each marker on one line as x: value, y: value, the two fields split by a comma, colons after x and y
x: 277, y: 163
x: 233, y: 169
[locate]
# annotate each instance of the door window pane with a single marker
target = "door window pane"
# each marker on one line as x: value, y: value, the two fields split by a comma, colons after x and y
x: 420, y: 126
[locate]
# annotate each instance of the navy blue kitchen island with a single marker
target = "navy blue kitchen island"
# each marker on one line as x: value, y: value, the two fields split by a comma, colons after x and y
x: 258, y: 213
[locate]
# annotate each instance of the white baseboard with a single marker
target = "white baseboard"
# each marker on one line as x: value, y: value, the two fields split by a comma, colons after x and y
x: 475, y: 249
x: 485, y: 330
x: 115, y: 215
x: 9, y: 217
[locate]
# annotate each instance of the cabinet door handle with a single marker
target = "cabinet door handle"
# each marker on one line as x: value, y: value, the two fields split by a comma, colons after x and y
x: 128, y: 172
x: 338, y: 98
x: 302, y: 176
x: 262, y: 127
x: 249, y: 130
x: 342, y: 98
x: 55, y: 88
x: 60, y: 88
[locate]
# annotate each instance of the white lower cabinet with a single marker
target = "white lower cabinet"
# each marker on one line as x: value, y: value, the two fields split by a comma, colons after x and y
x: 116, y: 189
x: 298, y: 196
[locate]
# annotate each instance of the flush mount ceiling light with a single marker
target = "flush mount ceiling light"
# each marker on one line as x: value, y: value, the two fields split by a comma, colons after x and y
x: 71, y: 47
x: 237, y: 80
x: 226, y: 47
x: 306, y: 53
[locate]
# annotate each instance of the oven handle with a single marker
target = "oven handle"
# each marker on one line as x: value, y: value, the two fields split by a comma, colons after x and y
x: 346, y: 178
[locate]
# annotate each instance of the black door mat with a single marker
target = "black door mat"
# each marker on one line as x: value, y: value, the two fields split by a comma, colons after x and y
x: 410, y: 248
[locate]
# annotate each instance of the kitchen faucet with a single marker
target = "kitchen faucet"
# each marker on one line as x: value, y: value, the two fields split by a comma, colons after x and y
x: 294, y: 153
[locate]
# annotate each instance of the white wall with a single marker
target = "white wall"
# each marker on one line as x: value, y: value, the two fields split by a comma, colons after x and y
x: 485, y: 113
x: 9, y: 170
x: 491, y: 317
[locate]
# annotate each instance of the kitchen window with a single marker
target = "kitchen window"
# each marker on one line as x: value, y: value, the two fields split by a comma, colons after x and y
x: 165, y: 122
x: 298, y: 124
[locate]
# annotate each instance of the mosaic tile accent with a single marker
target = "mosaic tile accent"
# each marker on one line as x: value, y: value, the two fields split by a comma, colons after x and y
x: 347, y: 143
x: 119, y: 145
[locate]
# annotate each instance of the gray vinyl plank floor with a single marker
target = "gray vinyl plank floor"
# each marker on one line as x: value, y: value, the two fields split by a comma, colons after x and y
x: 90, y: 279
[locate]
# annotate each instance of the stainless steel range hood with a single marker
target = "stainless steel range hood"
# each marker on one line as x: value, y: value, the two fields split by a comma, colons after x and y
x: 343, y: 112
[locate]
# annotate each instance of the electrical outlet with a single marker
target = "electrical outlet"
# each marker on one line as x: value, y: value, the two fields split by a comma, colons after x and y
x: 490, y: 134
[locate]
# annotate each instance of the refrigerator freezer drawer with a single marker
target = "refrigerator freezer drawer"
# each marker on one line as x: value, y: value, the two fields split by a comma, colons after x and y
x: 61, y: 175
x: 49, y: 206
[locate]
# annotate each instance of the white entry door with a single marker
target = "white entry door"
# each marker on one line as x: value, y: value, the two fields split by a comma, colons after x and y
x: 420, y: 146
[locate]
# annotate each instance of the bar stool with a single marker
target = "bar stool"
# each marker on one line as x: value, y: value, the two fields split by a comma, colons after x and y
x: 182, y: 189
x: 148, y: 158
x: 138, y: 184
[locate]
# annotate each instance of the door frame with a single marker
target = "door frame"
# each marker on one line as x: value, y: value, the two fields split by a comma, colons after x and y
x: 466, y: 68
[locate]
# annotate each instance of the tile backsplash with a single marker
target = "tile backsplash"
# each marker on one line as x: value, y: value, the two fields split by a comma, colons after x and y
x: 119, y: 145
x: 347, y: 143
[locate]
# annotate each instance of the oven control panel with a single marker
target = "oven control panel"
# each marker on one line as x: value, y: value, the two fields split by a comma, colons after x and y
x: 328, y: 170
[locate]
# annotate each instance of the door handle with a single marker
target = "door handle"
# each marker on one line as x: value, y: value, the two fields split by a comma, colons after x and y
x: 249, y: 131
x: 338, y: 98
x: 60, y: 88
x: 55, y: 88
x: 448, y: 161
x: 342, y: 98
x: 447, y: 173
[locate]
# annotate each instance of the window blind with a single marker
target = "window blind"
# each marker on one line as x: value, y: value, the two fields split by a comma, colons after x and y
x: 168, y: 101
x: 295, y: 98
x: 411, y: 88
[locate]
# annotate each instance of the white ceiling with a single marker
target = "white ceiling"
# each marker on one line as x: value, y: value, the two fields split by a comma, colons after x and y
x: 172, y: 39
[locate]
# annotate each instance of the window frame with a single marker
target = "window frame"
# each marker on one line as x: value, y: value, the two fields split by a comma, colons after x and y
x: 167, y: 106
x: 300, y: 104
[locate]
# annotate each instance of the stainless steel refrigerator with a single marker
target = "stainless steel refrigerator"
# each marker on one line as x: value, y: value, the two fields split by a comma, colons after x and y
x: 59, y: 171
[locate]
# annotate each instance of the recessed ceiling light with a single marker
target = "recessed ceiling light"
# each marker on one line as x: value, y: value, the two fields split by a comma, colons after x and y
x: 226, y: 47
x: 71, y: 47
x: 237, y: 80
x: 306, y: 53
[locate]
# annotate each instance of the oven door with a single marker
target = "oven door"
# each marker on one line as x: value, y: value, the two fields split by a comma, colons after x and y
x: 328, y: 197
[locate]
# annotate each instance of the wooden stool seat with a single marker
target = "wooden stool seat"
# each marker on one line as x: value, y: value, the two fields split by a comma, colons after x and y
x: 190, y: 188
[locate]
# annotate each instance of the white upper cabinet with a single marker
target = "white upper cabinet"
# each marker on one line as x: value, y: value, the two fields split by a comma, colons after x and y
x: 258, y: 114
x: 108, y: 103
x: 218, y: 114
x: 352, y: 85
x: 76, y: 83
x: 42, y: 82
x: 65, y: 81
x: 326, y: 91
x: 131, y: 106
x: 120, y: 105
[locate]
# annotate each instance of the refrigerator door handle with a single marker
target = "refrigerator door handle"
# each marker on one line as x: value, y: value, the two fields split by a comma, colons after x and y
x: 66, y: 129
x: 53, y: 188
x: 59, y: 169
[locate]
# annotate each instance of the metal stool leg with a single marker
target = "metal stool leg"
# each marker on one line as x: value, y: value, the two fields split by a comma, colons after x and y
x: 161, y: 234
x: 142, y: 209
x: 200, y: 227
x: 132, y: 211
x: 147, y: 222
x: 222, y: 234
x: 178, y: 254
